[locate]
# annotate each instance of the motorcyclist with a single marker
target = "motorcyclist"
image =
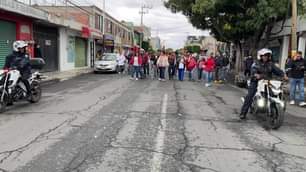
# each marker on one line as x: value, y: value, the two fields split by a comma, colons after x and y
x: 264, y: 68
x: 19, y: 59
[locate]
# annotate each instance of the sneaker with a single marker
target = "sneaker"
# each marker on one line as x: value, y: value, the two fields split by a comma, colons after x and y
x: 292, y: 102
x: 206, y: 85
x: 136, y: 79
x: 302, y: 104
x: 159, y: 79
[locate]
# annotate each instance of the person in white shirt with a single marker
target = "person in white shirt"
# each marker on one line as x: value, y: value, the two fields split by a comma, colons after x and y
x: 121, y: 62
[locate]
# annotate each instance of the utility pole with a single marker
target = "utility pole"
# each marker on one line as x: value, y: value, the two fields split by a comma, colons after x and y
x: 144, y: 10
x: 103, y: 24
x: 294, y: 28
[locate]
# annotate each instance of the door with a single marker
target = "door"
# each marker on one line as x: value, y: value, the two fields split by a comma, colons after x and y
x: 47, y: 38
x: 7, y: 37
x: 80, y: 52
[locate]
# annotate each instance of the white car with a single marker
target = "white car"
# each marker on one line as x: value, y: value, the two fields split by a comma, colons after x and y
x: 107, y: 63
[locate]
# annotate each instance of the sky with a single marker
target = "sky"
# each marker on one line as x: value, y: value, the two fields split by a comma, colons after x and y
x: 171, y: 28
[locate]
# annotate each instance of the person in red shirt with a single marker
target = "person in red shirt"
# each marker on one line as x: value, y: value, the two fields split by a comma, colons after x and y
x: 136, y: 62
x: 145, y: 64
x: 191, y: 65
x: 208, y: 68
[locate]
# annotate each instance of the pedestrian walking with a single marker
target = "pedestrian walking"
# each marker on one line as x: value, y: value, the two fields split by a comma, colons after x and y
x: 248, y: 65
x: 171, y: 68
x: 191, y: 66
x: 200, y: 65
x: 120, y: 62
x: 181, y: 69
x: 208, y: 68
x: 296, y: 68
x: 219, y: 62
x: 146, y: 65
x: 162, y: 63
x: 136, y: 62
x: 153, y: 66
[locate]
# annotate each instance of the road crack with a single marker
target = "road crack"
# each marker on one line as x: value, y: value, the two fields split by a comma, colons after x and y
x: 38, y: 138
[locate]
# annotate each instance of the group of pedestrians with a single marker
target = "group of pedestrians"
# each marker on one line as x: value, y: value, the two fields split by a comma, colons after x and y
x: 200, y: 67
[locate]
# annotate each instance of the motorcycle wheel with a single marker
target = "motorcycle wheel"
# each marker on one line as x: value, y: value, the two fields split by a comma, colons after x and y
x: 3, y: 103
x: 276, y: 119
x: 36, y: 92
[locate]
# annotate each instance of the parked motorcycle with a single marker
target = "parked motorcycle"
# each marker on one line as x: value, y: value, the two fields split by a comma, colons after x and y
x: 269, y: 99
x: 12, y: 89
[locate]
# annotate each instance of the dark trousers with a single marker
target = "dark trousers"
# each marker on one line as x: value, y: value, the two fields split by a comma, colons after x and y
x: 200, y: 71
x: 162, y: 72
x: 249, y: 98
x: 181, y: 74
x: 171, y: 71
x: 217, y: 73
x: 146, y: 69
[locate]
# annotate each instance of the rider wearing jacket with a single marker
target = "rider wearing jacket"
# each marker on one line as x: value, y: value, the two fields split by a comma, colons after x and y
x: 19, y: 59
x: 264, y: 68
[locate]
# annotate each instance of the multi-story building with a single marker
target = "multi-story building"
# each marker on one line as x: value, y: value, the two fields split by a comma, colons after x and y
x: 17, y: 22
x: 155, y: 43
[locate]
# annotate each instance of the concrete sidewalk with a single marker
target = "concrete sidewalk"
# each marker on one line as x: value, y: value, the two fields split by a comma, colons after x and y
x: 58, y: 76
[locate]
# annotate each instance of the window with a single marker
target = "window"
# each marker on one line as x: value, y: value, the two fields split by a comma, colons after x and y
x: 97, y: 21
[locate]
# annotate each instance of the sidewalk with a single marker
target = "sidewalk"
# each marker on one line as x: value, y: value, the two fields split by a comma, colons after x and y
x: 58, y: 76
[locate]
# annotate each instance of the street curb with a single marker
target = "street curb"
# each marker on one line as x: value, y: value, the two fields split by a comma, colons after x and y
x: 58, y: 79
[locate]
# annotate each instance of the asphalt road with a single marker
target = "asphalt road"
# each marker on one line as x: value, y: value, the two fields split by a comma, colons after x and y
x: 104, y: 123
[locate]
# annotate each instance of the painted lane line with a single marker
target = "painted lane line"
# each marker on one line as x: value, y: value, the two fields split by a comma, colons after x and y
x: 160, y: 139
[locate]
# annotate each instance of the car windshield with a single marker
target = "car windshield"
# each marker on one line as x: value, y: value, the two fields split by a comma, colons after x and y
x: 109, y: 57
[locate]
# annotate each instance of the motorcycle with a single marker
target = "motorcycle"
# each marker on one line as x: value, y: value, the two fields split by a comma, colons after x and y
x: 12, y: 89
x: 269, y: 99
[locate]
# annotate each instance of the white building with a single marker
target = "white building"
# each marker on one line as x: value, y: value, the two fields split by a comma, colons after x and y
x: 155, y: 43
x: 281, y: 42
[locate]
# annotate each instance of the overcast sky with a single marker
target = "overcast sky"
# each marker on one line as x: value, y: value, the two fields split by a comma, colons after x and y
x: 171, y: 28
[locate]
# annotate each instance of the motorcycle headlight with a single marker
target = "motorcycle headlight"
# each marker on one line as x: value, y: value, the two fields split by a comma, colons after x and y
x: 261, y: 103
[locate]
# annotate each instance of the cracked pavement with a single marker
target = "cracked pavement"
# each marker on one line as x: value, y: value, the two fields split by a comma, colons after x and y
x: 97, y: 123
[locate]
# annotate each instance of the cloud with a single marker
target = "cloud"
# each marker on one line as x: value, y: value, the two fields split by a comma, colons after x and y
x: 172, y: 28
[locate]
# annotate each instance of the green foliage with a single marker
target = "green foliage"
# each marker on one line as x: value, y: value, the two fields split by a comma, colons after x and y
x: 193, y: 48
x: 145, y: 45
x: 233, y: 20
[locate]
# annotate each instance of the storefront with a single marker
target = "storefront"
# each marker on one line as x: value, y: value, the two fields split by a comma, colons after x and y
x: 108, y: 44
x: 7, y: 37
x: 80, y: 52
x: 47, y: 39
x: 14, y: 27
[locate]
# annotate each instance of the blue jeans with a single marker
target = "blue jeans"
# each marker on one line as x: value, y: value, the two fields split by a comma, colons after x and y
x: 162, y: 72
x: 294, y: 83
x: 181, y: 74
x: 207, y: 76
x: 136, y: 69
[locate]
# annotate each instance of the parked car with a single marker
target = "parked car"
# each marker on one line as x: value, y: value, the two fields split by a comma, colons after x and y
x: 107, y: 63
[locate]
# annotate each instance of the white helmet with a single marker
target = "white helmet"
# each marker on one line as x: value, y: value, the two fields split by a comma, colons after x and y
x: 19, y: 44
x: 263, y: 52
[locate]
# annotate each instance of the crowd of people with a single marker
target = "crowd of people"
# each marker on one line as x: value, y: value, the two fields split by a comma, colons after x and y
x: 198, y: 67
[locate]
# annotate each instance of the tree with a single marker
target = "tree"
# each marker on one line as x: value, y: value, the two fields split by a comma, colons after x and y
x: 193, y: 48
x: 242, y: 22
